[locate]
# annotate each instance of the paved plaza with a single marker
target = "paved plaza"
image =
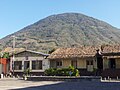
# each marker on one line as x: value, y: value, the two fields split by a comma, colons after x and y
x: 14, y: 83
x: 17, y: 84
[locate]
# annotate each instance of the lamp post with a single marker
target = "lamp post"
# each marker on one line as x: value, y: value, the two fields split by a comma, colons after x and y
x: 13, y: 58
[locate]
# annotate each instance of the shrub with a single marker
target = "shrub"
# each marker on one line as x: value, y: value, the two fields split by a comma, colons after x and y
x: 70, y: 71
x: 50, y: 72
x: 27, y: 72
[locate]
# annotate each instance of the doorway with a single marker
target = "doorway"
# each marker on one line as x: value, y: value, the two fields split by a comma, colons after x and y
x: 112, y: 63
x: 100, y: 63
x: 26, y: 65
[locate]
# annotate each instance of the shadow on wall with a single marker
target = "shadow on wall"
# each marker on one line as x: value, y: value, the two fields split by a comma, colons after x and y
x: 76, y: 86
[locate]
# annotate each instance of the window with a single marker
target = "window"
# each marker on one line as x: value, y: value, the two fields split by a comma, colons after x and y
x: 59, y: 63
x: 112, y: 63
x: 26, y: 65
x: 89, y: 62
x: 74, y: 63
x: 37, y: 65
x: 17, y: 65
x: 89, y: 65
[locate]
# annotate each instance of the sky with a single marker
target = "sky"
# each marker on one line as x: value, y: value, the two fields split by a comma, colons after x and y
x: 17, y: 14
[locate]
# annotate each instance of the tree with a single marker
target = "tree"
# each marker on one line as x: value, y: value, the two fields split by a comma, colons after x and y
x: 5, y: 55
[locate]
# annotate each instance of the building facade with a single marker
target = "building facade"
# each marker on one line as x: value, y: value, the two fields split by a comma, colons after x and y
x: 36, y: 62
x: 110, y: 58
x: 81, y: 58
x: 103, y: 61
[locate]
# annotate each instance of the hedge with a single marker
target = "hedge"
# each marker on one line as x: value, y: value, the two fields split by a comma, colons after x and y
x: 70, y: 71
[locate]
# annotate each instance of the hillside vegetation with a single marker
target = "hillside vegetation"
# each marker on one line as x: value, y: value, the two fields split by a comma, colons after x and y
x: 64, y: 30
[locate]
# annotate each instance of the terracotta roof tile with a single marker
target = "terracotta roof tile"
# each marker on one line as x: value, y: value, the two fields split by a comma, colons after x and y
x: 87, y: 51
x: 110, y: 48
x: 73, y: 52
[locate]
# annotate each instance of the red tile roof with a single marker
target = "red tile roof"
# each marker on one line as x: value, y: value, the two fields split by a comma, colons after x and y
x: 88, y: 51
x: 73, y: 52
x: 110, y: 48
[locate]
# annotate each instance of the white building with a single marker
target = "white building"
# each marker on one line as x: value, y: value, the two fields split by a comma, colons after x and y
x: 35, y: 61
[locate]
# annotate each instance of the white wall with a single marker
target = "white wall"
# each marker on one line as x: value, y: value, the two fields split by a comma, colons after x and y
x: 45, y: 63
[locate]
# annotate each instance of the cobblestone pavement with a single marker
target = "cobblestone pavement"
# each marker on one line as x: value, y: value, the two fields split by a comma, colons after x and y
x: 16, y: 84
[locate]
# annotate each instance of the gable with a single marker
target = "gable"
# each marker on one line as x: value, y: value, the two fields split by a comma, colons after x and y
x: 30, y: 53
x: 26, y: 53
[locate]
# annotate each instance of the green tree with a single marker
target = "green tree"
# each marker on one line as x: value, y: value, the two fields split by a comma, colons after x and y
x: 5, y: 55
